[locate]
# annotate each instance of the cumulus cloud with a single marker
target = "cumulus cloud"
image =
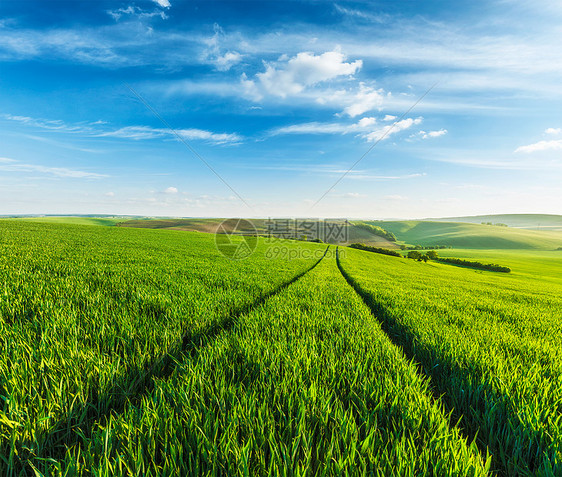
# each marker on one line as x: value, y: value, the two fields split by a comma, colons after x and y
x: 354, y: 101
x: 553, y: 145
x: 430, y: 134
x: 366, y: 122
x: 163, y: 3
x: 171, y: 190
x: 226, y: 61
x: 366, y: 99
x: 290, y: 76
x: 216, y: 55
x: 553, y: 131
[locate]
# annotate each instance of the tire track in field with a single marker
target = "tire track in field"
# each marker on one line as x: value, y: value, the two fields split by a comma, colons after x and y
x: 393, y: 331
x: 68, y: 432
x: 470, y: 416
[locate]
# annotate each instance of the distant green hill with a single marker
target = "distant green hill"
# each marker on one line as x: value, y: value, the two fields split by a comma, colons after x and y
x: 77, y: 220
x: 465, y: 232
x: 524, y: 221
x: 354, y: 233
x: 474, y: 236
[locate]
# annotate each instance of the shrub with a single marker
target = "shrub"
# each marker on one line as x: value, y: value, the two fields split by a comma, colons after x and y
x: 432, y: 255
x: 368, y: 248
x: 478, y: 265
x: 374, y: 229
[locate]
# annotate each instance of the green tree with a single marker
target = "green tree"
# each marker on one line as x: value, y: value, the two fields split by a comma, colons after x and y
x: 432, y: 255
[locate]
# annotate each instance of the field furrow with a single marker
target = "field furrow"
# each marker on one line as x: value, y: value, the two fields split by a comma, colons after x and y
x: 496, y: 362
x: 307, y: 383
x: 88, y: 315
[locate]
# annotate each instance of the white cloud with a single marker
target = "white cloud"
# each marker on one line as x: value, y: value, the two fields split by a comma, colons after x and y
x: 289, y: 77
x: 366, y: 99
x: 365, y: 176
x: 171, y: 190
x: 135, y: 11
x: 348, y: 195
x: 100, y: 129
x: 366, y: 122
x: 13, y: 165
x: 313, y: 128
x: 359, y: 14
x: 163, y: 3
x: 144, y: 132
x: 365, y: 128
x: 219, y: 138
x: 134, y: 132
x: 430, y: 134
x: 389, y: 117
x: 110, y: 194
x: 215, y: 55
x: 226, y: 61
x: 52, y: 124
x: 395, y: 128
x: 553, y: 131
x: 553, y: 145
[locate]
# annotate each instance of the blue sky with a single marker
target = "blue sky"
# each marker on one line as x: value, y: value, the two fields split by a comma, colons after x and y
x: 280, y: 99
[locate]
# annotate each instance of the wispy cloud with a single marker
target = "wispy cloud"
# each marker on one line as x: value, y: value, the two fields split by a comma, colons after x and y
x: 360, y: 14
x: 348, y: 195
x: 331, y: 170
x: 486, y: 159
x: 144, y: 132
x: 376, y: 177
x: 366, y: 128
x: 101, y: 129
x: 13, y: 165
x: 134, y: 11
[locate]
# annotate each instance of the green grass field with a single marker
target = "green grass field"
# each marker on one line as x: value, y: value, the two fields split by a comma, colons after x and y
x: 131, y: 351
x: 471, y: 236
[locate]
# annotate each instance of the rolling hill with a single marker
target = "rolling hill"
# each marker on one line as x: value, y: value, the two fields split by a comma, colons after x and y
x: 460, y: 232
x: 522, y: 221
x: 467, y: 235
